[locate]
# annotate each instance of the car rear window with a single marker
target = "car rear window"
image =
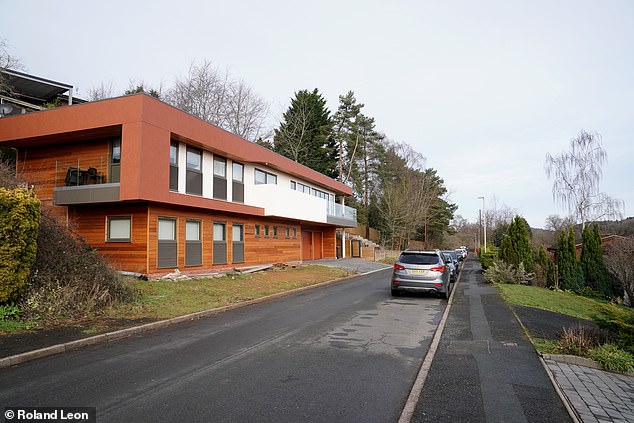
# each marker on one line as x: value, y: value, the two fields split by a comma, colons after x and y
x: 418, y: 258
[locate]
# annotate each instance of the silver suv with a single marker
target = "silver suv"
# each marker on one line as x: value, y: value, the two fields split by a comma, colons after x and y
x: 422, y: 271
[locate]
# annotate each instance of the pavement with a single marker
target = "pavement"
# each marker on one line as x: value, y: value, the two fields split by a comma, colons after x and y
x: 485, y: 368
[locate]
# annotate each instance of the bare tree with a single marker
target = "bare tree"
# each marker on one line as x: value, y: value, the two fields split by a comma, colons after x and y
x: 245, y: 112
x: 576, y: 175
x: 214, y: 97
x: 556, y: 223
x: 101, y: 92
x: 619, y: 260
x: 7, y: 61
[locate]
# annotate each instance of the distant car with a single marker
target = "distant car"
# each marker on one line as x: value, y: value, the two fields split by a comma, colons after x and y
x: 453, y: 266
x: 421, y: 271
x: 462, y: 254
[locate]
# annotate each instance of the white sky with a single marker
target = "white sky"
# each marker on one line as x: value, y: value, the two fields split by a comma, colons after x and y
x: 483, y: 89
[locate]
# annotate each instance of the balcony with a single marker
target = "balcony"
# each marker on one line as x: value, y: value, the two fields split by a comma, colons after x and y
x: 341, y: 215
x: 83, y: 181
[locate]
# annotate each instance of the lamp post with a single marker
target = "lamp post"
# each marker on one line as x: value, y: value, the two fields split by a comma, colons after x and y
x: 484, y: 223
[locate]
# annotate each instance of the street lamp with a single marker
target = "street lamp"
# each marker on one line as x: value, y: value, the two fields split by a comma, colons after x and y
x: 484, y: 223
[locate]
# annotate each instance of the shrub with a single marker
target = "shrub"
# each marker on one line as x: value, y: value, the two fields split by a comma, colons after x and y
x: 501, y: 272
x: 486, y: 259
x: 69, y: 279
x: 613, y: 359
x: 581, y: 339
x: 19, y: 222
x: 9, y: 312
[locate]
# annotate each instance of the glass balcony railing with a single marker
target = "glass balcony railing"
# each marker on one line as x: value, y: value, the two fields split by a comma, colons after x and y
x: 78, y: 172
x: 341, y: 215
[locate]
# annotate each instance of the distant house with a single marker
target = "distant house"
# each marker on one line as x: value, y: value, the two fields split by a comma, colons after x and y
x: 605, y: 242
x: 152, y: 188
x: 31, y: 93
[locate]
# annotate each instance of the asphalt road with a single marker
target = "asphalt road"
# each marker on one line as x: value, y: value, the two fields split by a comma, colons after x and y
x: 347, y: 352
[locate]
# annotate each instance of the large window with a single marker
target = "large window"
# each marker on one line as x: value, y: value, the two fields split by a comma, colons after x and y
x: 237, y: 187
x: 174, y: 166
x: 220, y: 178
x: 167, y: 245
x: 119, y: 228
x: 194, y: 179
x: 193, y: 244
x: 115, y: 161
x: 262, y: 177
x: 220, y: 243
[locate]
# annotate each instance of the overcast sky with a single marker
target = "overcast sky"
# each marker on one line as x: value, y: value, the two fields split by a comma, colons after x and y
x: 483, y: 89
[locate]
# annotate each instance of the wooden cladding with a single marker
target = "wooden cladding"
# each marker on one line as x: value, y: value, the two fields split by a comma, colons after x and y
x: 146, y: 253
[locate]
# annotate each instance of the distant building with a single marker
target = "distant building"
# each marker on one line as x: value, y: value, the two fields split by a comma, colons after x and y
x: 153, y: 188
x: 31, y: 93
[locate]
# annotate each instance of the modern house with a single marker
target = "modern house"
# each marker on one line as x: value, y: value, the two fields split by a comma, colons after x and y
x: 152, y: 188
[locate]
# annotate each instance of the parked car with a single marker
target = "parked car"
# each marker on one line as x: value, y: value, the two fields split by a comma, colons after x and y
x: 453, y: 267
x: 462, y: 253
x: 453, y: 256
x: 421, y: 271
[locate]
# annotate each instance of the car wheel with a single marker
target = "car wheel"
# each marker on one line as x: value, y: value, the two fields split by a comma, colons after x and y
x: 447, y: 292
x: 395, y: 293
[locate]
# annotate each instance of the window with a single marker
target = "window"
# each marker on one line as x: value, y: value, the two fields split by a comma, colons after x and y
x: 293, y: 185
x: 193, y: 245
x: 220, y: 178
x: 167, y: 245
x: 262, y: 177
x: 274, y: 231
x: 257, y: 231
x: 115, y: 161
x: 220, y: 244
x: 237, y: 187
x: 294, y: 231
x: 174, y: 166
x: 194, y: 174
x: 119, y: 228
x: 220, y: 167
x: 166, y: 229
x: 194, y: 159
x: 266, y: 231
x: 287, y: 232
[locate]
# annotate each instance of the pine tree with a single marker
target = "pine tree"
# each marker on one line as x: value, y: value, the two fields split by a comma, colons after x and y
x: 546, y: 265
x: 305, y: 134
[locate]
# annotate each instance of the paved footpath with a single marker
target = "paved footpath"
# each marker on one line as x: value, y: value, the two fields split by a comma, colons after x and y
x: 485, y: 369
x: 596, y: 395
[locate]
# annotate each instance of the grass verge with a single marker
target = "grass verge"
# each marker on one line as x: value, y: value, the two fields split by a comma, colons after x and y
x: 614, y: 355
x: 164, y: 299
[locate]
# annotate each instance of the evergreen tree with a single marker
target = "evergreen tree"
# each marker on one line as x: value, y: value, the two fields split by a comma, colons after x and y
x: 546, y: 265
x: 305, y: 134
x: 516, y: 245
x: 567, y: 260
x: 592, y: 265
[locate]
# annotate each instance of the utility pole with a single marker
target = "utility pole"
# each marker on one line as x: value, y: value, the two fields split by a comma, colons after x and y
x: 484, y: 223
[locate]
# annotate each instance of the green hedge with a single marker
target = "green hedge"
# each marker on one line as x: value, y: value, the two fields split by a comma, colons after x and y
x: 19, y: 223
x: 487, y: 259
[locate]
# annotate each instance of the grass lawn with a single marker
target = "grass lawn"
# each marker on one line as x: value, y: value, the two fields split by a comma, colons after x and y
x: 164, y: 299
x: 564, y: 303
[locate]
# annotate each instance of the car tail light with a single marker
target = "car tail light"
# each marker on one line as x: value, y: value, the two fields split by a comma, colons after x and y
x: 398, y: 267
x: 440, y: 269
x: 437, y: 284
